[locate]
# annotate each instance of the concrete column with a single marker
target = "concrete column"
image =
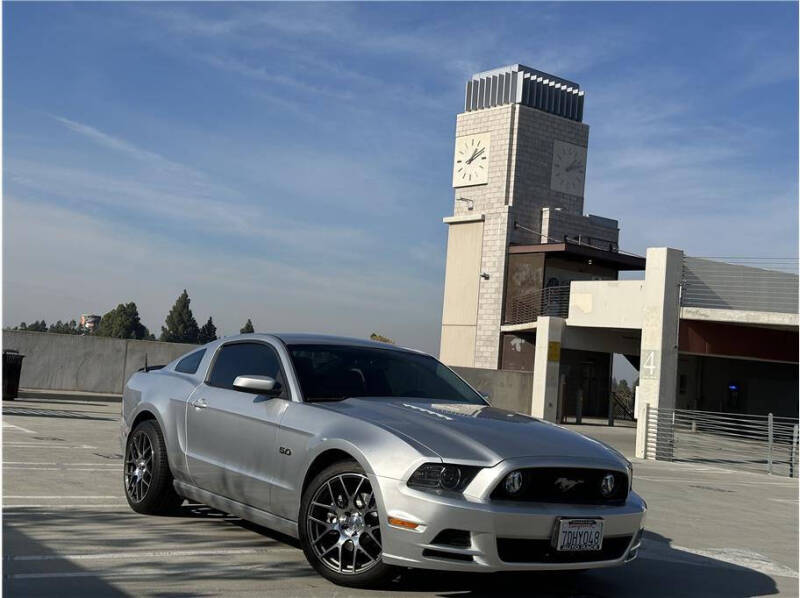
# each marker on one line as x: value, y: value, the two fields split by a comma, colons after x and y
x: 659, y: 349
x: 546, y: 361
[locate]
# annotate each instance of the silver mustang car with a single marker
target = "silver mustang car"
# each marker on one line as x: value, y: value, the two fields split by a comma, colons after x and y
x: 374, y: 457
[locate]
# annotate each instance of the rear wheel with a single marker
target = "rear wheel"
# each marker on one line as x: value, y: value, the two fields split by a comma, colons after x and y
x: 147, y: 478
x: 340, y: 527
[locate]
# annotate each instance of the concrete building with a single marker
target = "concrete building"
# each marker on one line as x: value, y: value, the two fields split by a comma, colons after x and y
x: 518, y: 171
x: 518, y: 235
x: 532, y: 283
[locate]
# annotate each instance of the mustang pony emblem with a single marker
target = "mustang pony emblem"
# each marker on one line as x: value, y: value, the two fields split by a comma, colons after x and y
x: 565, y: 484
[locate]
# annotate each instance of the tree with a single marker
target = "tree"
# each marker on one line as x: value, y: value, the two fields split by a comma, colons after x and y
x: 64, y: 327
x: 208, y: 332
x: 122, y: 322
x: 380, y: 338
x: 37, y: 326
x: 247, y: 328
x: 181, y: 327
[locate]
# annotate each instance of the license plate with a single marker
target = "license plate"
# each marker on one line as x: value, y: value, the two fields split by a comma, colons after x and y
x: 573, y: 535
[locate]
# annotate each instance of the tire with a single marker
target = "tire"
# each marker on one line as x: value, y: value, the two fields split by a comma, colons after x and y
x: 147, y: 479
x: 353, y: 527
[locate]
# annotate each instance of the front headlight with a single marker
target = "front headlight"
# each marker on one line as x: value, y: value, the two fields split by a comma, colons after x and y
x: 439, y: 477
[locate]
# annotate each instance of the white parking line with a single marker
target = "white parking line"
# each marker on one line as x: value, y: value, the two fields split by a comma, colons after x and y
x: 160, y: 554
x: 12, y: 427
x: 744, y: 558
x: 50, y: 445
x: 23, y: 509
x: 101, y: 464
x: 51, y: 497
x: 787, y: 483
x: 148, y: 571
x: 26, y: 468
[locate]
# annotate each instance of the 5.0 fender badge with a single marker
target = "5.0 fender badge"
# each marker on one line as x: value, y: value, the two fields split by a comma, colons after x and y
x: 285, y: 451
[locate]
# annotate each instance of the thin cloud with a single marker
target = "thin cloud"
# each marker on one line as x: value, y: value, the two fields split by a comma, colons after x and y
x: 111, y: 142
x: 225, y: 284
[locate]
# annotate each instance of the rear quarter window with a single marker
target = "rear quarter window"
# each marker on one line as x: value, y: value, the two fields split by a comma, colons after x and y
x: 190, y: 363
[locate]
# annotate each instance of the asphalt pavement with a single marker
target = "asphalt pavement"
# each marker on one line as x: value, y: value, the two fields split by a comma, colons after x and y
x: 67, y: 530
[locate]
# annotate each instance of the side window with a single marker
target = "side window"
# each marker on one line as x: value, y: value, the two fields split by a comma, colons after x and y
x: 240, y: 359
x: 190, y: 363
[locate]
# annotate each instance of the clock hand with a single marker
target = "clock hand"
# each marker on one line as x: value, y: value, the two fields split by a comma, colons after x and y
x: 476, y: 155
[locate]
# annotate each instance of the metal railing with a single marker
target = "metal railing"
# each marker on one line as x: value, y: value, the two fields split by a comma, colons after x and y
x: 622, y: 405
x: 551, y: 301
x: 762, y: 443
x: 752, y: 284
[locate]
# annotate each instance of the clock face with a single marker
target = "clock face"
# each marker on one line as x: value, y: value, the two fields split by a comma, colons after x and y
x: 471, y: 162
x: 569, y: 168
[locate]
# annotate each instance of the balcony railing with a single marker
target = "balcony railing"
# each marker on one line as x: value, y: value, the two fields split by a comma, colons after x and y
x: 552, y: 301
x: 766, y: 285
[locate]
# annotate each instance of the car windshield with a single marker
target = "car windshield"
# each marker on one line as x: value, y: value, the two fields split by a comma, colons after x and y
x: 334, y: 372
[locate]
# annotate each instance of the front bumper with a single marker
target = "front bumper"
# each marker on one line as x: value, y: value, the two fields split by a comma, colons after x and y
x: 520, y: 527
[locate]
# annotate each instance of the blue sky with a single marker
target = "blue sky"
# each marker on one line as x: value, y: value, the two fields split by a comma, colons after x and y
x: 291, y: 162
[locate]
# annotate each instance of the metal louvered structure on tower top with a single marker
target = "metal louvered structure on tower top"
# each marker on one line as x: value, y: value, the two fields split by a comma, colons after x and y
x: 519, y: 84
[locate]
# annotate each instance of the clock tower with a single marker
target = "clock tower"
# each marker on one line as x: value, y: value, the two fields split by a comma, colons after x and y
x: 519, y: 167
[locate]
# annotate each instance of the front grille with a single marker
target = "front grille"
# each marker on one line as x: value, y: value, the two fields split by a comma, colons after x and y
x: 517, y: 550
x: 566, y: 485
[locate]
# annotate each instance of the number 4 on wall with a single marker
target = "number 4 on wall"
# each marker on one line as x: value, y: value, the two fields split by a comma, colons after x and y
x: 649, y: 364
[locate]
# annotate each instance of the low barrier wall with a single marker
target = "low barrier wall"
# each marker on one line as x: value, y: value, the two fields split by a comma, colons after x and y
x: 84, y: 363
x: 98, y: 364
x: 506, y: 389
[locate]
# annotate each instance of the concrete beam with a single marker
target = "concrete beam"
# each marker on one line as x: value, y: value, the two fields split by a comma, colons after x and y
x: 765, y: 319
x: 602, y: 340
x: 546, y: 363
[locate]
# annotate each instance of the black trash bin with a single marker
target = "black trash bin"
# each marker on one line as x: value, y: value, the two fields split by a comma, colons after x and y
x: 12, y: 368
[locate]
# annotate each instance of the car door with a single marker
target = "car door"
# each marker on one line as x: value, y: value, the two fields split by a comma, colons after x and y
x: 230, y: 434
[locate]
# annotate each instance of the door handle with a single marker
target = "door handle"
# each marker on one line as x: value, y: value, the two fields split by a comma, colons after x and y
x: 199, y: 404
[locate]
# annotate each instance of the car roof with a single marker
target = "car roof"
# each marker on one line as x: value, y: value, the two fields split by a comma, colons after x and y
x: 304, y: 338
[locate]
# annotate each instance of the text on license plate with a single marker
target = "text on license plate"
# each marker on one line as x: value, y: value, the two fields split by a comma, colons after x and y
x: 579, y: 534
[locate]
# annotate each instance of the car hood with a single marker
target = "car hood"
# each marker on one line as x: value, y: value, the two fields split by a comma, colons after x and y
x: 473, y: 433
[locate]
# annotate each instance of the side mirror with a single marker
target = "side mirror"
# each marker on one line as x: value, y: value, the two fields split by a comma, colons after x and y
x: 262, y: 385
x: 485, y: 396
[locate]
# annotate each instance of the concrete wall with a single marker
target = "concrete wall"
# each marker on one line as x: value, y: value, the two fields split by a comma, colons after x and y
x: 461, y: 286
x: 592, y: 230
x: 506, y: 389
x: 606, y: 303
x: 103, y: 365
x: 84, y: 363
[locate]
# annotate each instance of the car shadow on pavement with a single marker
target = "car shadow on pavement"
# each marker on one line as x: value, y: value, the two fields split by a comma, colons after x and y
x: 22, y: 580
x: 32, y: 568
x: 660, y: 571
x: 204, y: 512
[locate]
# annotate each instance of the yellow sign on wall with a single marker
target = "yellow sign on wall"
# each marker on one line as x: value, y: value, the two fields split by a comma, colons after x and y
x: 553, y: 351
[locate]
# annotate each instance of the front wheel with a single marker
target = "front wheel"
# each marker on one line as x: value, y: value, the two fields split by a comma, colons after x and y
x: 147, y: 478
x: 339, y: 527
